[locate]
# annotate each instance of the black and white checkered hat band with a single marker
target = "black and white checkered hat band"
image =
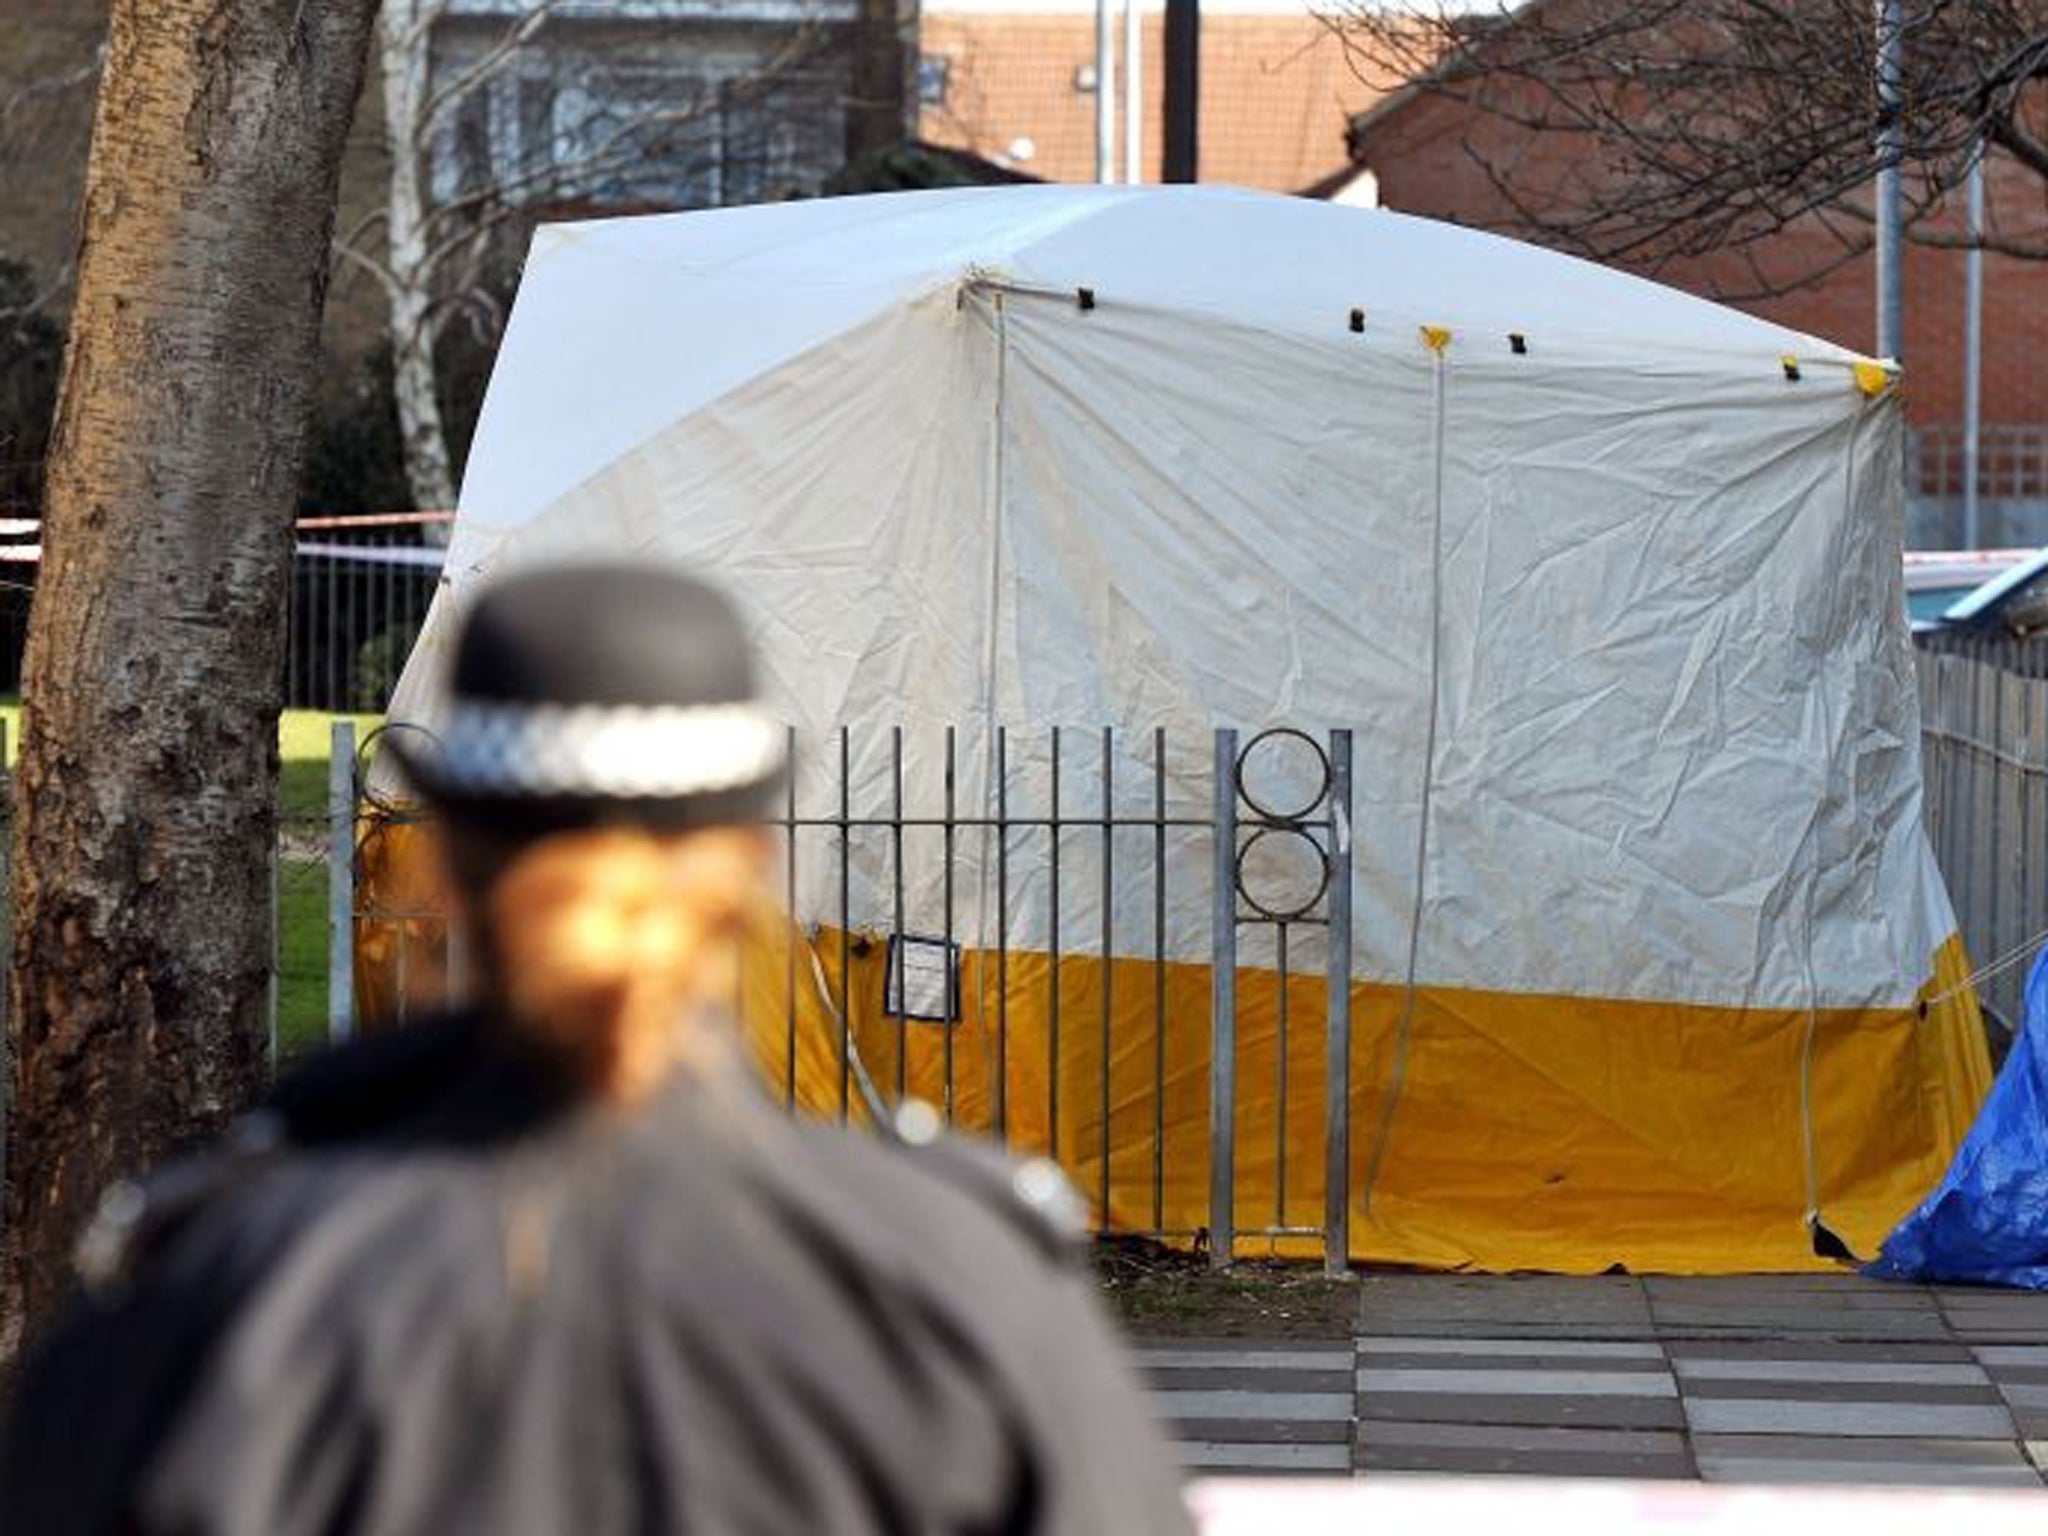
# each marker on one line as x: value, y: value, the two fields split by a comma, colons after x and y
x: 616, y: 751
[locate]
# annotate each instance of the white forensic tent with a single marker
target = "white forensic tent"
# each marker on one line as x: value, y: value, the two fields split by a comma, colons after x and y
x: 1604, y: 577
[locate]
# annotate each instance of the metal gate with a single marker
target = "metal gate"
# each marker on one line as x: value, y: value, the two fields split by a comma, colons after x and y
x: 1322, y: 825
x: 1106, y: 844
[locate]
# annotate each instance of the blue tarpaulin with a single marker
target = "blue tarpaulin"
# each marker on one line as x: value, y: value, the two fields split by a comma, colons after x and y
x: 1987, y: 1220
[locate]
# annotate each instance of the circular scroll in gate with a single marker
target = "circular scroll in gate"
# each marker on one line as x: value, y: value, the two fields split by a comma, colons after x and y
x: 1273, y: 768
x: 1282, y: 873
x: 405, y: 803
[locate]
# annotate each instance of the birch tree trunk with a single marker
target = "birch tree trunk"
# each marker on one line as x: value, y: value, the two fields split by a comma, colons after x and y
x: 404, y: 52
x: 146, y: 818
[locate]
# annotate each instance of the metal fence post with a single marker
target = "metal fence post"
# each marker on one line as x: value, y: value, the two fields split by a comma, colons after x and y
x: 271, y: 989
x: 1337, y: 1043
x: 341, y: 881
x: 1223, y: 1009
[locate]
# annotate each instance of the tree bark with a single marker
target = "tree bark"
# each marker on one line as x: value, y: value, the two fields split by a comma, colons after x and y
x: 146, y: 814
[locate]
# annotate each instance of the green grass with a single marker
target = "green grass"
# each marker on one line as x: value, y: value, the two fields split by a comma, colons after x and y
x: 302, y: 956
x: 303, y: 737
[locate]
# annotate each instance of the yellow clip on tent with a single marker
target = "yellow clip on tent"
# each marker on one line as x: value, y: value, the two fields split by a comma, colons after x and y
x: 1653, y: 961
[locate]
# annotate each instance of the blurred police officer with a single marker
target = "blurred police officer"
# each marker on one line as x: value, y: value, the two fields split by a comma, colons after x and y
x: 554, y: 1266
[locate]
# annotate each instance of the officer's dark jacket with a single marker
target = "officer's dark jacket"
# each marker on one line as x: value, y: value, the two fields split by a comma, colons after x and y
x: 427, y: 1295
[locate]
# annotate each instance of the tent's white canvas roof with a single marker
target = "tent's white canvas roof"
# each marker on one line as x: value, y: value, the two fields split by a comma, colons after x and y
x: 673, y: 311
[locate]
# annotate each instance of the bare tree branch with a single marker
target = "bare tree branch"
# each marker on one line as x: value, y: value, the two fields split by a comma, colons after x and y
x: 503, y: 51
x: 482, y: 130
x: 1654, y: 131
x: 34, y: 93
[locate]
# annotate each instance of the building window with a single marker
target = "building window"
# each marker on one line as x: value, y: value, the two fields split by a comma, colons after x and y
x: 933, y: 70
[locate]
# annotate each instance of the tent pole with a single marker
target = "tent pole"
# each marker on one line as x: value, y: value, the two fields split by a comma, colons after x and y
x: 1973, y: 364
x: 1891, y: 341
x: 1223, y: 1009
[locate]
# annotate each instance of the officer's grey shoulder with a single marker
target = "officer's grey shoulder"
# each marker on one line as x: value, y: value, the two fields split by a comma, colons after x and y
x: 1032, y: 1194
x: 137, y: 1217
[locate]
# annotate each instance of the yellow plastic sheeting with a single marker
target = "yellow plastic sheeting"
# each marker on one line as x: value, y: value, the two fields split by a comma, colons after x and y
x: 1563, y: 1134
x: 401, y: 929
x: 1546, y: 1133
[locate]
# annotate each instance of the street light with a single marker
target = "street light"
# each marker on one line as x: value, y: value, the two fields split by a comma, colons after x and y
x: 1891, y: 337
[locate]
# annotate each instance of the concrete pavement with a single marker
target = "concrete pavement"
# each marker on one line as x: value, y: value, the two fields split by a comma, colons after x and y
x: 1772, y: 1378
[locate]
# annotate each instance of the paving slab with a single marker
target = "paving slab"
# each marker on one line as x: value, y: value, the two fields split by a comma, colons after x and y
x: 1262, y: 1431
x: 2001, y: 1358
x: 2032, y: 1422
x: 1827, y: 1373
x: 1780, y: 1306
x: 1395, y: 1446
x: 1536, y: 1409
x: 1510, y: 1306
x: 1228, y: 1403
x: 1901, y: 1325
x: 2023, y: 1394
x: 1844, y: 1393
x: 1376, y: 1380
x: 1607, y: 1354
x: 2024, y: 1400
x: 1806, y: 1347
x: 1895, y: 1462
x: 1773, y: 1378
x: 1997, y: 1316
x: 1238, y: 1357
x: 1920, y: 1450
x: 1832, y: 1283
x: 1224, y: 1458
x: 1792, y: 1416
x: 1847, y: 1293
x: 1224, y: 1378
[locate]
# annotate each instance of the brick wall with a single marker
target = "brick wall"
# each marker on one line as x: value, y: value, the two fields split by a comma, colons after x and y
x: 1277, y: 92
x: 1430, y: 154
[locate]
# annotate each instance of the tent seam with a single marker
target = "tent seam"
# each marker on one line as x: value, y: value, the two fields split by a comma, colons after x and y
x: 1404, y: 1031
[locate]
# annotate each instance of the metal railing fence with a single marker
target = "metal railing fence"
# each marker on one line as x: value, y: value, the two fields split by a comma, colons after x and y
x: 1116, y: 854
x: 1984, y: 734
x: 1105, y: 844
x: 360, y: 588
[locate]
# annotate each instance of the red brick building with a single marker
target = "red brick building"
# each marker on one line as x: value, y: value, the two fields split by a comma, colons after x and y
x: 1429, y: 154
x: 1013, y: 81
